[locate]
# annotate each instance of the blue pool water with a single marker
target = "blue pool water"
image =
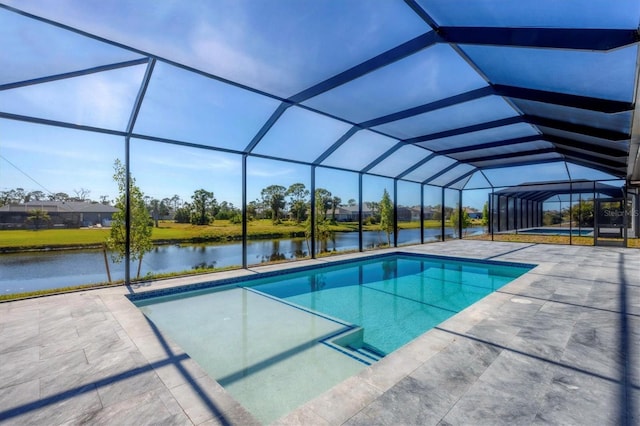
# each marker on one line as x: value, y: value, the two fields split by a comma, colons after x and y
x: 394, y: 299
x: 558, y: 231
x: 278, y: 340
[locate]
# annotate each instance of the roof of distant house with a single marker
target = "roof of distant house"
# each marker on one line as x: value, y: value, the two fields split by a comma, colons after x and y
x: 60, y: 207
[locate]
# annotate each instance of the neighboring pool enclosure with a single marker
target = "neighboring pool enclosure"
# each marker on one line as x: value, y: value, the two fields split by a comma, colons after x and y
x: 144, y: 139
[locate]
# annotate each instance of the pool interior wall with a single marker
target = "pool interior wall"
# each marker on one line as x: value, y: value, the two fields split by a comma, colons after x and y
x: 260, y: 347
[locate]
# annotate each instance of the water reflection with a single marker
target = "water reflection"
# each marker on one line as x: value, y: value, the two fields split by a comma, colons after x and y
x: 277, y: 250
x: 205, y: 265
x: 389, y: 269
x: 317, y: 282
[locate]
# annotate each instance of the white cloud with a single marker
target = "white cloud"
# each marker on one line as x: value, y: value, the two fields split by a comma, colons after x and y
x: 193, y: 160
x: 271, y: 172
x: 229, y: 51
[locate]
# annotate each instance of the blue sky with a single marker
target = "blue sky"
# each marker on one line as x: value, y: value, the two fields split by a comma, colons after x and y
x: 248, y: 43
x: 62, y: 160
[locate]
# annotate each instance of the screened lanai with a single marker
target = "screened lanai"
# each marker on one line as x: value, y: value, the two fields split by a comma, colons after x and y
x: 164, y: 164
x: 440, y: 105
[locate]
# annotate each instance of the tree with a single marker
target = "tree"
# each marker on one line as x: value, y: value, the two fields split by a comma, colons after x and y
x: 157, y: 209
x: 551, y: 217
x: 5, y: 198
x: 351, y: 202
x: 82, y: 194
x: 38, y: 217
x: 166, y: 205
x: 175, y: 201
x: 13, y: 196
x: 436, y: 212
x: 202, y: 208
x: 226, y: 211
x: 374, y: 207
x: 582, y: 213
x: 183, y: 214
x: 252, y: 210
x: 386, y: 215
x: 35, y: 196
x: 59, y: 196
x: 140, y: 229
x: 485, y: 214
x: 273, y: 196
x: 19, y: 195
x: 298, y: 194
x: 323, y: 202
x: 335, y: 203
x: 453, y: 219
x: 322, y: 229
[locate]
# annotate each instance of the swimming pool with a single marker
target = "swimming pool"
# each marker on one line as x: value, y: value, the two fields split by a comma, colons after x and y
x: 558, y: 231
x: 279, y: 339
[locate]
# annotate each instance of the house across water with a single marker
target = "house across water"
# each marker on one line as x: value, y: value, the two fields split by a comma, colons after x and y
x: 60, y: 214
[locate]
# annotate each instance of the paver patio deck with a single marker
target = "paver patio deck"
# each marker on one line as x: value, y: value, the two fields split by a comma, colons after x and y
x: 559, y: 345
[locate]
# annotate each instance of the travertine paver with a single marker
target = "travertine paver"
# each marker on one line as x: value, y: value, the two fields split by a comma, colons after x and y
x: 548, y: 348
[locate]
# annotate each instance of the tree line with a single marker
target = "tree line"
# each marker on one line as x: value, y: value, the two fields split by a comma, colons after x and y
x: 275, y: 202
x: 21, y: 196
x: 202, y: 211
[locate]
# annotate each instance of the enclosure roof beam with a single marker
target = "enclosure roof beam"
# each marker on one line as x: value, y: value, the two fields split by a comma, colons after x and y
x: 575, y: 101
x: 395, y: 54
x: 440, y: 173
x: 507, y: 142
x: 554, y: 38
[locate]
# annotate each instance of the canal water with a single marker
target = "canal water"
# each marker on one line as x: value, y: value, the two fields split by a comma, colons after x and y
x: 21, y: 272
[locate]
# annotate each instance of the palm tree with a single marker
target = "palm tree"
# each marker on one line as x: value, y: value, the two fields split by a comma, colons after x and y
x: 38, y: 217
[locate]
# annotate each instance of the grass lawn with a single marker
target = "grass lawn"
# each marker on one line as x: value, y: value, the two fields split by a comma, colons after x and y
x: 52, y: 237
x: 221, y: 230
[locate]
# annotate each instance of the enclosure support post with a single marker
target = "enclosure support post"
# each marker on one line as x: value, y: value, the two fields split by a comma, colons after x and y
x: 442, y: 237
x: 421, y: 214
x: 395, y: 212
x: 244, y: 212
x: 360, y: 248
x: 127, y: 215
x: 492, y: 212
x: 460, y: 209
x: 313, y: 218
x: 570, y: 211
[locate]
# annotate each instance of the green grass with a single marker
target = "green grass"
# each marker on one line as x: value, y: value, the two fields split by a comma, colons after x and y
x: 170, y: 232
x: 52, y: 237
x: 220, y: 231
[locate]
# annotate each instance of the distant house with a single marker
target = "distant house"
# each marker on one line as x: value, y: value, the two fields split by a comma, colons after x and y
x: 415, y: 213
x: 473, y: 214
x: 430, y: 213
x: 405, y: 214
x: 62, y: 214
x: 349, y: 213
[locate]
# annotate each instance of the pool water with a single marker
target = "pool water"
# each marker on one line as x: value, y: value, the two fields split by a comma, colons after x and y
x: 394, y: 300
x: 558, y: 231
x: 278, y: 341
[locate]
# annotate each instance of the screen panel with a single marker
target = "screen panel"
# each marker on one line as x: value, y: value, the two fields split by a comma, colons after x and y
x: 430, y: 74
